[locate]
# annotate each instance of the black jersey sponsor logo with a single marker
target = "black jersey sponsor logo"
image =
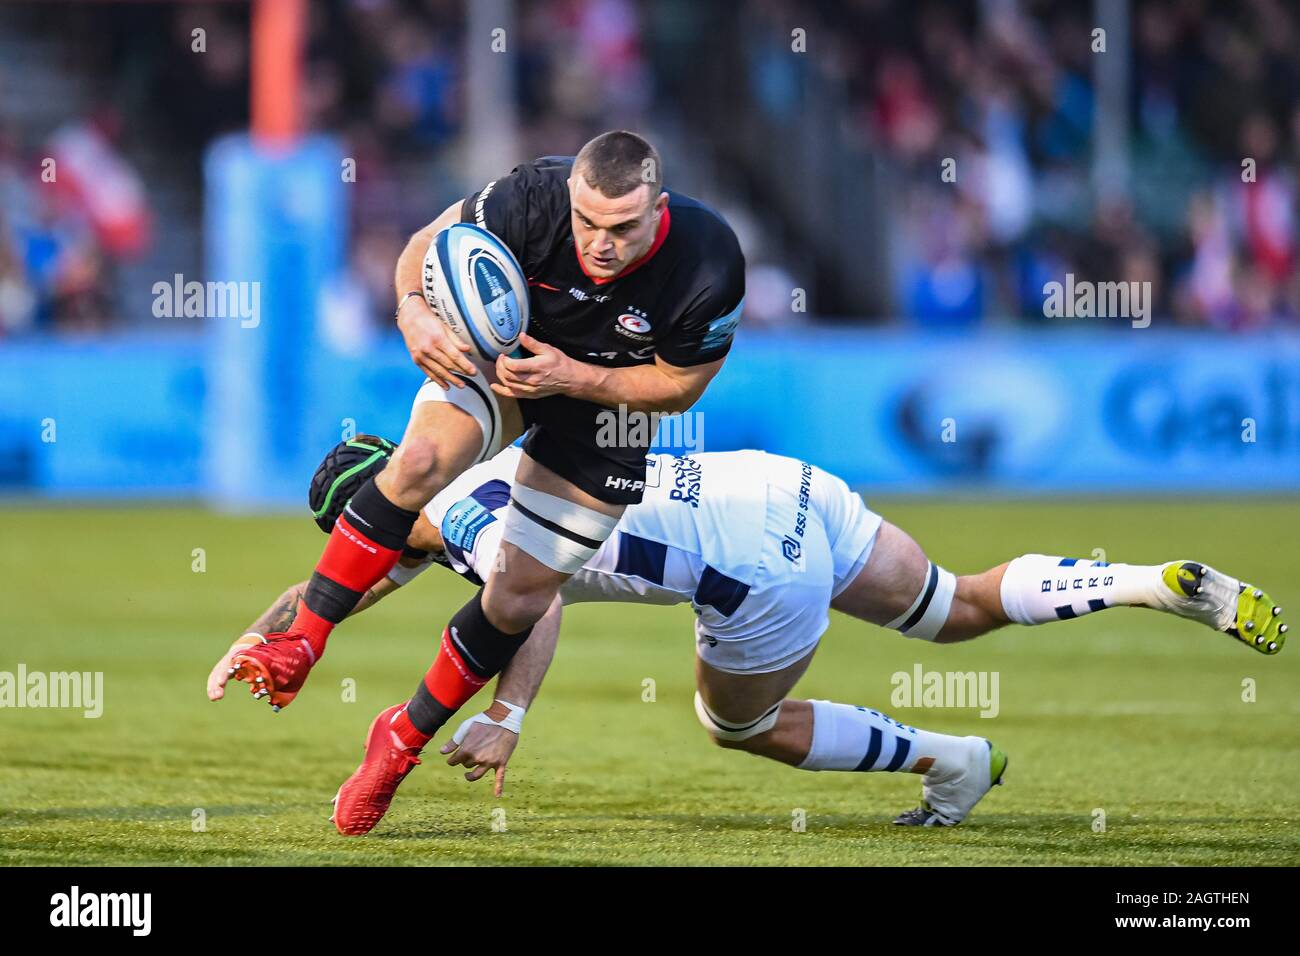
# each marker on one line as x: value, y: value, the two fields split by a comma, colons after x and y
x: 582, y: 296
x: 637, y: 355
x: 479, y: 215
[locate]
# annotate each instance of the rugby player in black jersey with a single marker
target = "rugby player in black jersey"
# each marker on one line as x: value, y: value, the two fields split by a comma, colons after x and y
x: 635, y: 294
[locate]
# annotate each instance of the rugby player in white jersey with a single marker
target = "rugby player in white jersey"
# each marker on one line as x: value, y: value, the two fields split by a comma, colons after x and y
x: 762, y: 547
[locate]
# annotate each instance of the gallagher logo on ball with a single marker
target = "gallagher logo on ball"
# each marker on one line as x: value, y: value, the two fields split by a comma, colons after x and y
x: 495, y: 293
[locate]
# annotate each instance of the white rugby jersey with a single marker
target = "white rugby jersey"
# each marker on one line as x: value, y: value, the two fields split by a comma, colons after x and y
x: 696, y: 535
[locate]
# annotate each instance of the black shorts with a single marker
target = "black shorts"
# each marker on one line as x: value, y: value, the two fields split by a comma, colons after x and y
x: 573, y: 439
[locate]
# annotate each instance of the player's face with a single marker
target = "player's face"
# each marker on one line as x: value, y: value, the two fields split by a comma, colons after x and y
x: 613, y: 233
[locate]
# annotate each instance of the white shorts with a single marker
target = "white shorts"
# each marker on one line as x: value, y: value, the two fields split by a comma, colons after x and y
x: 477, y: 399
x: 817, y: 537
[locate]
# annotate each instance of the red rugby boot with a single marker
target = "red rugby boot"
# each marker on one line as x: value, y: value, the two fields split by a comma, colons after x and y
x: 364, y: 797
x: 276, y: 668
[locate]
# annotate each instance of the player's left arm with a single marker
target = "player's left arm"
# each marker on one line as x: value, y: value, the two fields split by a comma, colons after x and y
x: 687, y: 356
x: 661, y: 387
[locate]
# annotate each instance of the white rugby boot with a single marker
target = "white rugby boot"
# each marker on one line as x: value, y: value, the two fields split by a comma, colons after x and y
x: 948, y: 793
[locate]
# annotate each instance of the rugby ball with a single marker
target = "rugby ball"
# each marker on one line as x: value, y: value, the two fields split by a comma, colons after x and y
x: 474, y: 282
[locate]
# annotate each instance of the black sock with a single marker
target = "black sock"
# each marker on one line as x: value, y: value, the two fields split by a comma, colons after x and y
x: 475, y: 644
x: 345, y: 571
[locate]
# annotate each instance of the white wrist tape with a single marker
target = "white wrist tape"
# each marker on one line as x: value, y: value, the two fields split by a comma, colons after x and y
x: 401, y: 575
x: 513, y: 721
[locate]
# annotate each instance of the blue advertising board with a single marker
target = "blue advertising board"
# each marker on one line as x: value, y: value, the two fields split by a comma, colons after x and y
x: 1140, y: 411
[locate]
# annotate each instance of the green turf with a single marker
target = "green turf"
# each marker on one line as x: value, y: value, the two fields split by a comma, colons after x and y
x: 1131, y: 712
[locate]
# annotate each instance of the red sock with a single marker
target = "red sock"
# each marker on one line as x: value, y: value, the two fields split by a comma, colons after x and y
x: 351, y: 565
x: 471, y: 651
x: 450, y: 681
x: 447, y: 685
x: 406, y: 732
x: 313, y: 627
x: 355, y: 560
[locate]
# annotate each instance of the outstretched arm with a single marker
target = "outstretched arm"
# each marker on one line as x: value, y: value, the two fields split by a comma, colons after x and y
x: 277, y: 618
x: 522, y: 677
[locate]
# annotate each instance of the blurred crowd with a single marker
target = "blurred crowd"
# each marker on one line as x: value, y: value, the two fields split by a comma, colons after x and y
x: 388, y: 75
x: 385, y: 75
x: 67, y: 216
x: 1202, y: 205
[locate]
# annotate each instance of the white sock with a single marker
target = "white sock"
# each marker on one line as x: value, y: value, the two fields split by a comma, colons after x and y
x: 1038, y: 588
x: 845, y: 737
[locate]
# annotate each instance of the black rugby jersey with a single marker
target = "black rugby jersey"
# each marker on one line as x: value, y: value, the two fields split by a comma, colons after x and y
x: 681, y: 300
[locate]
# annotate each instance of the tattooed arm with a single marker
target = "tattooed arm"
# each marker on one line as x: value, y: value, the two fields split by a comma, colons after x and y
x: 279, y: 615
x: 277, y: 618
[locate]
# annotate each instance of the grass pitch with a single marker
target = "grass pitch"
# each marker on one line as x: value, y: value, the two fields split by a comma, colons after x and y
x: 1128, y: 713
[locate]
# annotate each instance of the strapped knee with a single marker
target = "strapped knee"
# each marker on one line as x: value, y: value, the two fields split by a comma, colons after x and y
x: 559, y: 533
x: 725, y: 731
x: 929, y: 612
